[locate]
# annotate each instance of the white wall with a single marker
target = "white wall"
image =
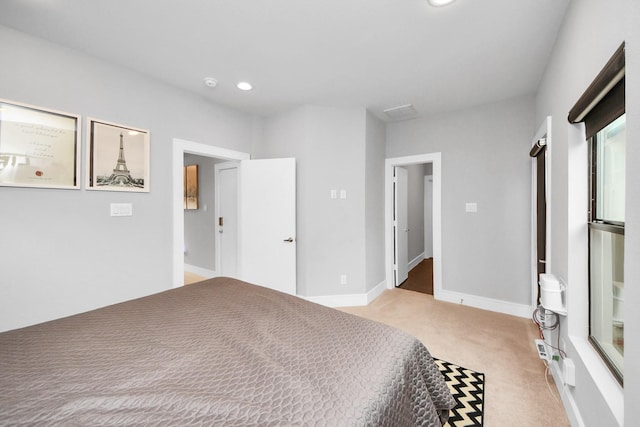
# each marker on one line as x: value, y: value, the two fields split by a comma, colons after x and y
x: 484, y: 160
x: 329, y: 145
x: 591, y: 32
x: 61, y: 253
x: 374, y: 201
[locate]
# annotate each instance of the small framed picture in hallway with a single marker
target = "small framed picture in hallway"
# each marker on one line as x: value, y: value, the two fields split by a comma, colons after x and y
x: 191, y: 187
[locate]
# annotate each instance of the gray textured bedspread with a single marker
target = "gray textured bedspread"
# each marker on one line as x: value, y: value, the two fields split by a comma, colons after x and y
x: 221, y: 352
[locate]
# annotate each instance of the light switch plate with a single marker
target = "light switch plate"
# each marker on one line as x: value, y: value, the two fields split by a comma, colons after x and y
x: 471, y: 207
x: 121, y: 209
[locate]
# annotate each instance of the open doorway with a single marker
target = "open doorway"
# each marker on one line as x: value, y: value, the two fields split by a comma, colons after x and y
x: 432, y: 232
x: 200, y: 246
x: 413, y: 227
x: 180, y: 148
x: 211, y: 223
x: 266, y: 195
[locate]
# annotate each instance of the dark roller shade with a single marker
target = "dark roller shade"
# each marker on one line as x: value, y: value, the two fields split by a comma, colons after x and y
x: 604, y: 100
x: 538, y: 147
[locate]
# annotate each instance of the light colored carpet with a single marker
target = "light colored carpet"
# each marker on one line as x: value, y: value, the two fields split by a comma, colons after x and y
x: 498, y: 345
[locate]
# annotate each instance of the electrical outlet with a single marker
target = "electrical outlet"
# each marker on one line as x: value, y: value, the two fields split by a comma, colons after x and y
x: 542, y: 350
x: 343, y: 279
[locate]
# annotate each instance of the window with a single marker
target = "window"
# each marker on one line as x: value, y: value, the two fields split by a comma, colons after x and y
x: 602, y: 109
x: 606, y: 244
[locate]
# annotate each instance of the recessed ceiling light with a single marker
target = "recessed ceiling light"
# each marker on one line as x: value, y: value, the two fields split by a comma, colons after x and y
x: 439, y: 3
x: 244, y: 86
x: 210, y: 81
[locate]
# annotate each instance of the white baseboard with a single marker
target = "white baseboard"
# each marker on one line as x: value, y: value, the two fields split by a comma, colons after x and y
x: 569, y: 403
x: 350, y: 300
x: 376, y: 291
x: 354, y: 300
x: 417, y: 260
x: 520, y: 310
x: 200, y: 271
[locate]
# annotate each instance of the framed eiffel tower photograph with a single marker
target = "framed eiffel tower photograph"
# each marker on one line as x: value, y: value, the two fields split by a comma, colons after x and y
x: 117, y: 157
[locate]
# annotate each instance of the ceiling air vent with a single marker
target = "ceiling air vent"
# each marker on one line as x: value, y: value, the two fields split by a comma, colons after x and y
x: 402, y: 112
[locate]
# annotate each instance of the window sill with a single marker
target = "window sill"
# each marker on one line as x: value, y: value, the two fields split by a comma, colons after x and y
x: 612, y: 393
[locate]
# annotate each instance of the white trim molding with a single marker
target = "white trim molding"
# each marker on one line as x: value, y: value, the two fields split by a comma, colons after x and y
x: 417, y: 260
x: 350, y: 300
x: 436, y: 160
x: 610, y: 391
x: 588, y: 362
x: 498, y: 306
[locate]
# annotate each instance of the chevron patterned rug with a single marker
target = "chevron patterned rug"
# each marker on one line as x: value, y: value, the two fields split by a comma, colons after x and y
x: 467, y: 388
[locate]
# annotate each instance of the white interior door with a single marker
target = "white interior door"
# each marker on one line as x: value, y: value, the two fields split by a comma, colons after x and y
x: 227, y: 218
x: 401, y: 226
x: 268, y: 223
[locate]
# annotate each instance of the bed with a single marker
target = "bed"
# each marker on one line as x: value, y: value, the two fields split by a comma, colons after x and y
x: 220, y: 352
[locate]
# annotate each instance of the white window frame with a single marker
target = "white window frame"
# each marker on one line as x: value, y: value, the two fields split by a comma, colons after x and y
x: 611, y: 391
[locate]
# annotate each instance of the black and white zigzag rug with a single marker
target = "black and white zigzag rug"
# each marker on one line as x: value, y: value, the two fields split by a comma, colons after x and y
x: 467, y: 388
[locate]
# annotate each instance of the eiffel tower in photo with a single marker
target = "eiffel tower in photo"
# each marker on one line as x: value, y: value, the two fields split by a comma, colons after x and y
x: 121, y: 175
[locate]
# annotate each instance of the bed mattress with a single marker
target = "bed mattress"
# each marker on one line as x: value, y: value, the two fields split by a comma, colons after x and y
x: 220, y: 352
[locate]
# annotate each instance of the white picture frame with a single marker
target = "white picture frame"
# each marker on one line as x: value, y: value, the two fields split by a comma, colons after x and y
x: 39, y: 147
x: 117, y: 157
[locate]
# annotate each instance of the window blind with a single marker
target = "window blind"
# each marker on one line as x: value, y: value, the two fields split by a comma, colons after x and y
x: 604, y: 99
x: 538, y: 147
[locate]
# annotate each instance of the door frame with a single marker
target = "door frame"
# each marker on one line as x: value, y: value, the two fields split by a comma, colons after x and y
x: 544, y: 131
x: 436, y: 160
x: 401, y: 252
x: 218, y: 239
x: 428, y: 214
x: 180, y: 148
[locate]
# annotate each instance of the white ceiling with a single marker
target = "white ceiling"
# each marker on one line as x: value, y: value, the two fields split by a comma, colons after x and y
x: 376, y: 54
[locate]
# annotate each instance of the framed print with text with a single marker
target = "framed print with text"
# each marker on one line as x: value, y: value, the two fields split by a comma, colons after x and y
x: 38, y: 147
x: 117, y: 157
